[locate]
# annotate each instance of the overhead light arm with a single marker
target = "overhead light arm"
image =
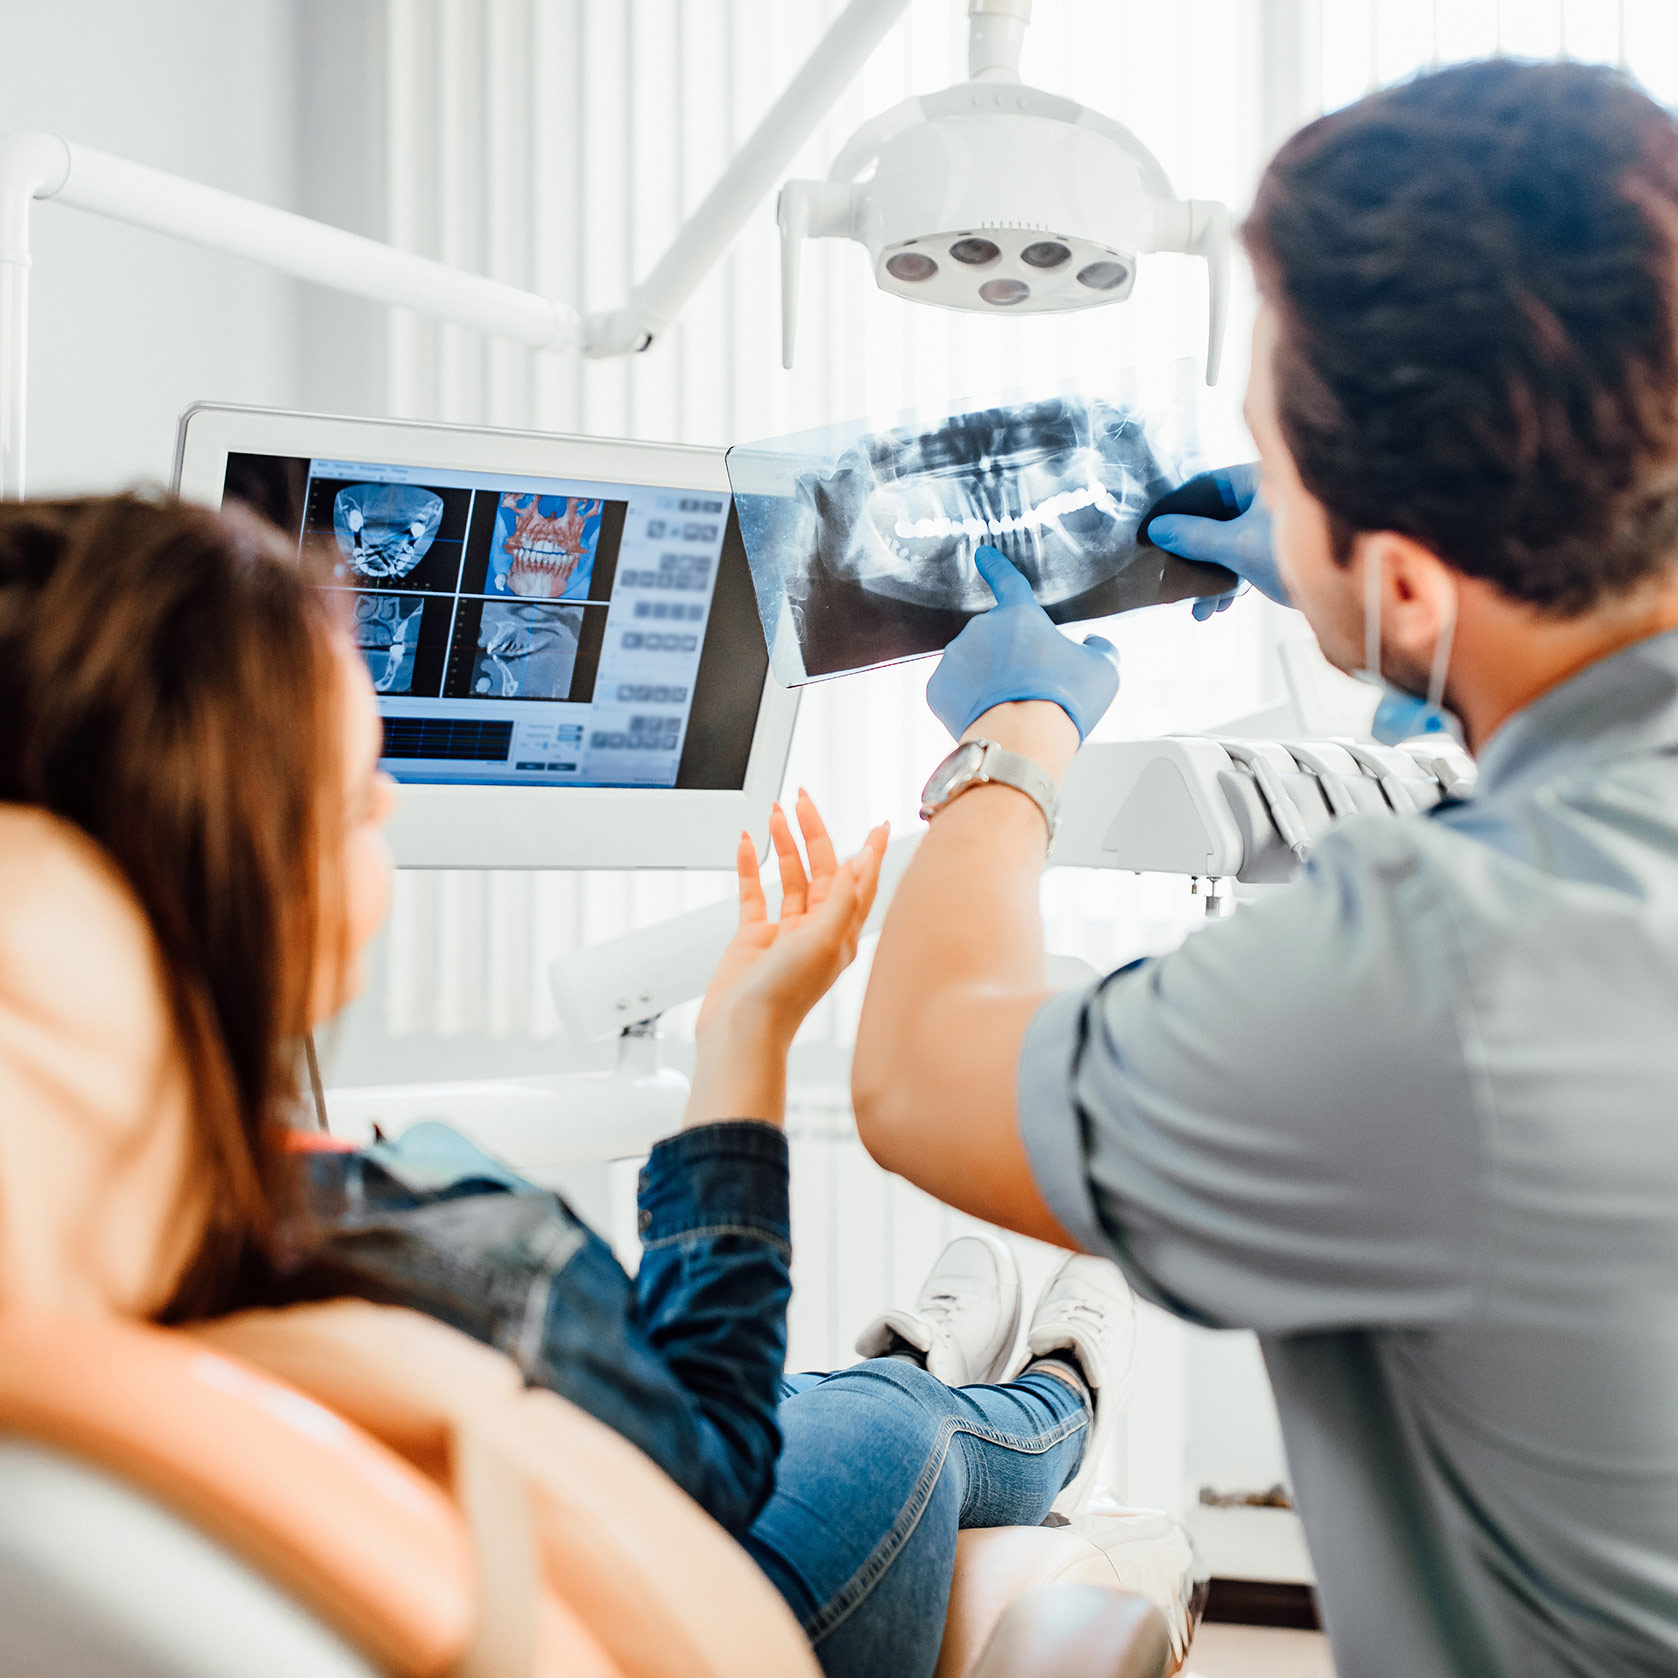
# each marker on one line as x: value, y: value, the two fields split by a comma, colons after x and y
x: 712, y: 228
x: 1201, y: 227
x: 995, y: 36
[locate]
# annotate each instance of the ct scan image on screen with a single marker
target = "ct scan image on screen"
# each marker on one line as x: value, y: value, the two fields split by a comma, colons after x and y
x: 518, y: 631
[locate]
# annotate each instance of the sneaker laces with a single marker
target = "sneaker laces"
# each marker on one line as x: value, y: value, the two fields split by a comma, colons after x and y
x: 940, y: 1307
x: 1082, y: 1311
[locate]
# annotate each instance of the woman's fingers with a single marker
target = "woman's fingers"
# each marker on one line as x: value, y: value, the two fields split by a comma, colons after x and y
x: 753, y: 905
x: 867, y: 865
x: 824, y: 860
x: 795, y: 885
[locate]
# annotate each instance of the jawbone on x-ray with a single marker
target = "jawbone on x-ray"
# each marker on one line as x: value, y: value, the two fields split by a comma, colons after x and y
x: 1059, y: 487
x: 545, y: 545
x: 869, y: 557
x: 526, y: 650
x: 387, y: 630
x: 385, y: 530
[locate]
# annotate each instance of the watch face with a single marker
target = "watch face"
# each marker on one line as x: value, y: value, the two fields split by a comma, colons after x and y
x: 961, y: 765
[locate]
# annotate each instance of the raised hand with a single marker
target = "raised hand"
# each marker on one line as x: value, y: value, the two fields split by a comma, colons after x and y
x: 775, y: 971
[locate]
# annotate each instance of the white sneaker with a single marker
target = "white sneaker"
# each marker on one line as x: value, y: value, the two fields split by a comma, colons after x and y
x: 1087, y: 1309
x: 966, y: 1317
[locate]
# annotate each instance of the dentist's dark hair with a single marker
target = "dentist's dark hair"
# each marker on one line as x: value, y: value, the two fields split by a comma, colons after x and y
x: 1474, y: 275
x: 167, y: 687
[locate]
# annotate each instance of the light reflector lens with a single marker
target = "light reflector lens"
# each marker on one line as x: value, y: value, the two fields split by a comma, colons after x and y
x: 1046, y: 253
x: 911, y: 265
x: 1004, y: 292
x: 976, y: 253
x: 1103, y: 276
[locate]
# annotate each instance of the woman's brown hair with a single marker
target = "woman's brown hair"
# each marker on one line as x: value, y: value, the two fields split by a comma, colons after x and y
x: 166, y: 681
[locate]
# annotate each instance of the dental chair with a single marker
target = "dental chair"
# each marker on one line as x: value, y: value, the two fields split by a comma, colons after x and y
x: 346, y: 1490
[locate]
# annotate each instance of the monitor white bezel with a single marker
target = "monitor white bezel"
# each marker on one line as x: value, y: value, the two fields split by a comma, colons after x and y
x: 522, y: 827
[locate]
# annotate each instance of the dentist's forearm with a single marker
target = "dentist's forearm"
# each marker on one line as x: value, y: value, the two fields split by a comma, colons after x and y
x: 957, y: 977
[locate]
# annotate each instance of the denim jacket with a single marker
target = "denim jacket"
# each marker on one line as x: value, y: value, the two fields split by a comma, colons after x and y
x: 684, y: 1360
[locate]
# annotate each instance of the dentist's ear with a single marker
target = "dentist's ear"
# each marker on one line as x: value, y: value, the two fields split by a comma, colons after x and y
x: 1418, y: 593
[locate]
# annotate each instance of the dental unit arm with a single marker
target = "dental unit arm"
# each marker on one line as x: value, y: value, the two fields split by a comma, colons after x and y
x: 996, y: 197
x: 1228, y: 809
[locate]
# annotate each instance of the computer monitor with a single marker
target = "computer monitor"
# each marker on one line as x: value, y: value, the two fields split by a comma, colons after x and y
x: 561, y: 631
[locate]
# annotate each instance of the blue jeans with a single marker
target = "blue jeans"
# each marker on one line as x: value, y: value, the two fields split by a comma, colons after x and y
x: 881, y: 1466
x: 848, y: 1489
x: 684, y: 1359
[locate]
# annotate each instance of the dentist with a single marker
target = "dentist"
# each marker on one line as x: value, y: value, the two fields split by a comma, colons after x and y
x: 1413, y: 1118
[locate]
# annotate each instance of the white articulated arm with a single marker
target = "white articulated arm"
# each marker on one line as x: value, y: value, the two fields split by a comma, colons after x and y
x: 996, y: 32
x: 1200, y: 227
x: 31, y: 166
x: 712, y: 228
x: 1209, y: 238
x: 45, y: 166
x: 807, y: 210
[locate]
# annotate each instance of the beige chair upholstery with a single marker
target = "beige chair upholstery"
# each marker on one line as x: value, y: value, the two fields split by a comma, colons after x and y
x: 997, y: 1564
x: 339, y: 1450
x: 1142, y: 1554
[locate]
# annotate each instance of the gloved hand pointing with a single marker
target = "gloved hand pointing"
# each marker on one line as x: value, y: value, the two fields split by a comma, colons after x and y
x: 1014, y: 652
x: 1242, y: 543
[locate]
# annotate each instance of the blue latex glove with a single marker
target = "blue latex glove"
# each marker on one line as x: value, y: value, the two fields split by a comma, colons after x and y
x: 1242, y: 543
x: 1013, y: 652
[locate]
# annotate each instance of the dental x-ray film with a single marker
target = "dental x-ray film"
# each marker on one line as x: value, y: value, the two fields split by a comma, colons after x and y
x: 861, y: 542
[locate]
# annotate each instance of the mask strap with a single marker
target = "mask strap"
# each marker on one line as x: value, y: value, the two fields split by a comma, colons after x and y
x: 1442, y: 655
x: 1372, y: 615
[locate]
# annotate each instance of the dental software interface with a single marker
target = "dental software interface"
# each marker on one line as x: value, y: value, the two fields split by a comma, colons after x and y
x: 521, y: 631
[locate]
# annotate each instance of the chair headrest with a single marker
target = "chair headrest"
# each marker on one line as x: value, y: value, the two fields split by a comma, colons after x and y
x: 93, y: 1097
x: 321, y: 1507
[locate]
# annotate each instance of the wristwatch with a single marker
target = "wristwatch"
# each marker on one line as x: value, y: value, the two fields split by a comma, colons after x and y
x: 976, y: 763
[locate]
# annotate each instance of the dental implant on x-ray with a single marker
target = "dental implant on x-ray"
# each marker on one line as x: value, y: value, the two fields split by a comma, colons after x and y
x: 385, y: 530
x: 1001, y: 199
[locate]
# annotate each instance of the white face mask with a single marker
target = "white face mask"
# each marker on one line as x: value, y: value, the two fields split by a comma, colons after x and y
x: 1402, y: 715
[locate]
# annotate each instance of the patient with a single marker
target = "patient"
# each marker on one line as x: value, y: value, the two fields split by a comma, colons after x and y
x: 188, y: 763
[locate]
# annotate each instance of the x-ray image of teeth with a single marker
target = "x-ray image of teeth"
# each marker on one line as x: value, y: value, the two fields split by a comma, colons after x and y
x: 864, y: 554
x: 387, y: 628
x: 385, y: 530
x: 526, y: 650
x: 1059, y: 487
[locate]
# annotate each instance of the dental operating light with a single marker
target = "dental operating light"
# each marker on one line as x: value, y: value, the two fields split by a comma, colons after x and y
x: 1002, y: 199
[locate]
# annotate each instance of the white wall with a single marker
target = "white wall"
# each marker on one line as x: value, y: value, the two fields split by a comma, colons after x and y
x: 128, y: 327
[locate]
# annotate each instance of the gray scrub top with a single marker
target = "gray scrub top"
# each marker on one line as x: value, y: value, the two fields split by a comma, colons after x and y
x: 1414, y: 1119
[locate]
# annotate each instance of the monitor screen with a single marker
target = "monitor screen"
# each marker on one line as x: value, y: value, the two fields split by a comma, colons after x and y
x: 534, y: 631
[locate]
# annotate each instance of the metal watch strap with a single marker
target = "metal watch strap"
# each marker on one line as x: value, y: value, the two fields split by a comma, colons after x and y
x: 1000, y: 767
